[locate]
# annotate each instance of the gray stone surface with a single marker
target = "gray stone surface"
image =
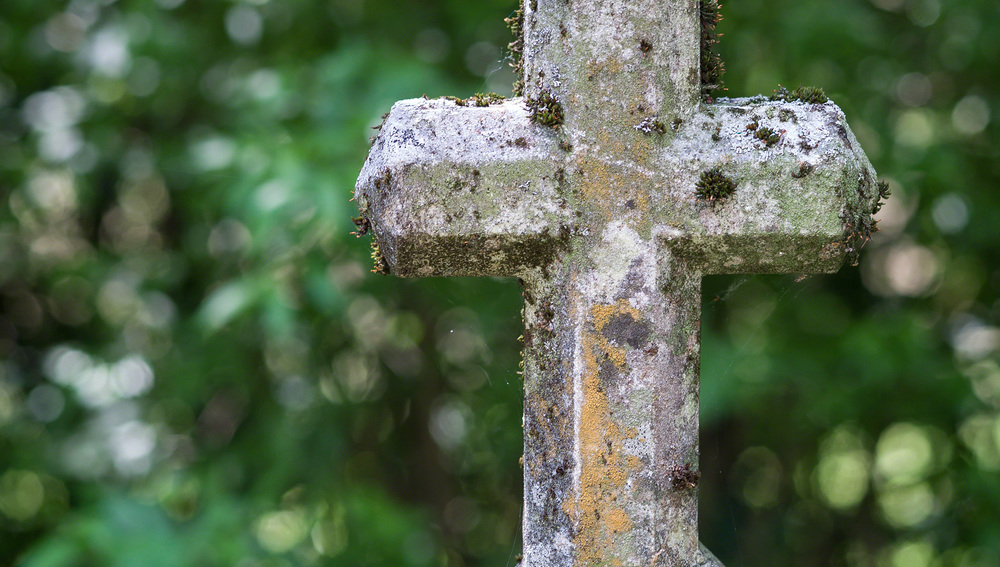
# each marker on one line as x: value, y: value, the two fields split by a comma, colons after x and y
x: 599, y: 220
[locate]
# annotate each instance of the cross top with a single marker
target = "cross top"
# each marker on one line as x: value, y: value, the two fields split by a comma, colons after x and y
x: 609, y: 220
x: 610, y: 62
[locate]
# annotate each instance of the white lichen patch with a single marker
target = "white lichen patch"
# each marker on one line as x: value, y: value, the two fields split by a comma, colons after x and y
x: 440, y: 131
x: 641, y: 445
x: 620, y: 249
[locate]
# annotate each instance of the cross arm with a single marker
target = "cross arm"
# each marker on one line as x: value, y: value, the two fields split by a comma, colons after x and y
x: 804, y: 196
x: 453, y: 190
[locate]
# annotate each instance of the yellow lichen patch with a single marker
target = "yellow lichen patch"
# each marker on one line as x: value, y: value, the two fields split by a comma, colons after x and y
x: 617, y: 193
x: 601, y: 315
x: 599, y: 511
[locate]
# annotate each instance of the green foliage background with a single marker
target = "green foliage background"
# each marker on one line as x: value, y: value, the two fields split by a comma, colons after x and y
x: 197, y: 368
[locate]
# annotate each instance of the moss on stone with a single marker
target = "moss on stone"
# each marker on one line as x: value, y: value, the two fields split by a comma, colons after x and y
x: 381, y: 265
x: 883, y: 194
x: 712, y: 66
x: 810, y: 95
x: 714, y: 185
x: 363, y: 225
x: 767, y: 135
x: 859, y: 224
x: 545, y: 109
x: 478, y: 99
x: 516, y: 24
x: 651, y: 126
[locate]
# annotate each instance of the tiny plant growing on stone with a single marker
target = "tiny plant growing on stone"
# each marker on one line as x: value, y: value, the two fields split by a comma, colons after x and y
x: 478, y: 99
x: 651, y: 126
x: 487, y: 99
x: 546, y: 109
x: 711, y: 63
x: 380, y: 264
x: 811, y: 95
x: 683, y: 477
x: 516, y: 24
x: 883, y: 194
x: 714, y: 185
x: 363, y: 224
x: 767, y: 135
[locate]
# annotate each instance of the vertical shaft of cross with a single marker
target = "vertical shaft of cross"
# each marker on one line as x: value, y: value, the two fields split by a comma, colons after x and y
x: 611, y: 412
x: 611, y: 63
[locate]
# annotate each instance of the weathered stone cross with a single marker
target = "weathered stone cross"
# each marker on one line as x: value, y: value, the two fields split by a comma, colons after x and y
x: 610, y: 220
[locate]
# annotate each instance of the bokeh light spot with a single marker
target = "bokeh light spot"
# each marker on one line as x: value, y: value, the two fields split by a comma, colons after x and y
x: 902, y: 269
x: 108, y: 52
x: 213, y: 153
x: 449, y: 424
x: 974, y: 340
x: 45, y: 403
x: 842, y: 474
x: 244, y: 24
x: 970, y: 115
x: 978, y: 433
x: 431, y: 45
x: 482, y: 58
x: 915, y: 129
x: 950, y: 213
x: 910, y: 554
x: 907, y: 506
x: 21, y: 495
x: 65, y: 31
x: 914, y: 89
x: 330, y: 535
x: 279, y: 532
x: 904, y: 454
x: 923, y: 12
x: 757, y: 477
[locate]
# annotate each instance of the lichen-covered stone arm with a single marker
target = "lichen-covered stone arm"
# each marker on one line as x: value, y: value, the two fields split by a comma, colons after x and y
x: 804, y: 190
x: 450, y: 190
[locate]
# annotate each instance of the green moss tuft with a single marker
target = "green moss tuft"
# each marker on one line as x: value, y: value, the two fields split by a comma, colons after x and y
x: 381, y: 266
x: 712, y: 66
x: 516, y: 24
x: 546, y: 109
x: 478, y: 99
x: 714, y: 185
x: 363, y: 225
x: 767, y: 135
x: 810, y: 95
x: 883, y: 194
x: 860, y: 224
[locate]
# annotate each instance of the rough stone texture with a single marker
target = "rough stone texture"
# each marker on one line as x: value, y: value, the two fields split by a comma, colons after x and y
x: 454, y: 190
x: 599, y: 220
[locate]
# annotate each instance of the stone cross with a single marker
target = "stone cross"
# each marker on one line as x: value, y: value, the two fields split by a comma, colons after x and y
x: 610, y: 219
